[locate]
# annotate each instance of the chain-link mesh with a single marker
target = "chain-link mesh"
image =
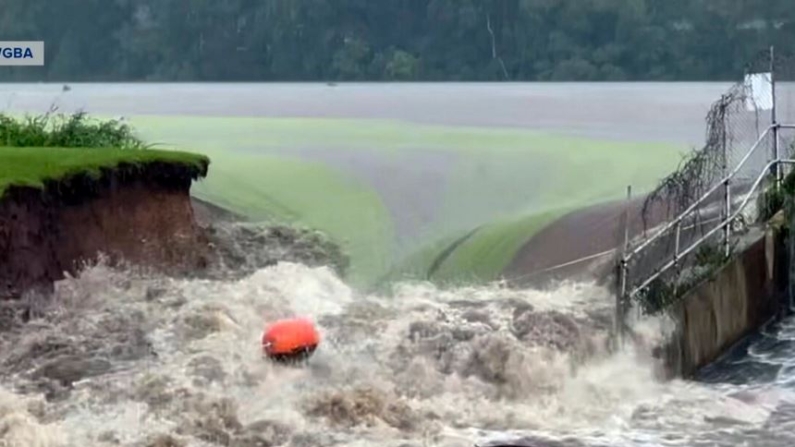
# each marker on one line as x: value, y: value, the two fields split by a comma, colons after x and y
x: 739, y: 121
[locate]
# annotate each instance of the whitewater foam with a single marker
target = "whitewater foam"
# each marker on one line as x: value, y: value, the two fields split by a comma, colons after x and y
x: 125, y: 358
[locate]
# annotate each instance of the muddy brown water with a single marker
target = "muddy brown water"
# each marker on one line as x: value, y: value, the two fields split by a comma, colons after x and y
x: 121, y: 358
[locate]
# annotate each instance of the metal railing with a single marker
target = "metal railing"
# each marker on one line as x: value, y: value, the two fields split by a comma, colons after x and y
x: 725, y: 224
x: 771, y: 168
x: 686, y: 213
x: 669, y: 258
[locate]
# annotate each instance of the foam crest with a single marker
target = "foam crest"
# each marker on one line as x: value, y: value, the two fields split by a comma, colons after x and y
x: 124, y: 358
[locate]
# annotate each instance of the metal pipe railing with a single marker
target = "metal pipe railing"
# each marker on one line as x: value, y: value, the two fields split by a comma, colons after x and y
x: 712, y: 232
x: 698, y: 202
x: 726, y: 213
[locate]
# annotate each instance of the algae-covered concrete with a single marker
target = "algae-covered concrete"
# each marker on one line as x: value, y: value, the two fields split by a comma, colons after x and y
x: 738, y: 299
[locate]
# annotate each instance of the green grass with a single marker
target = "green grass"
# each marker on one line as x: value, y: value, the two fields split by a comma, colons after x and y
x: 34, y: 149
x: 60, y: 130
x: 301, y: 193
x: 29, y: 166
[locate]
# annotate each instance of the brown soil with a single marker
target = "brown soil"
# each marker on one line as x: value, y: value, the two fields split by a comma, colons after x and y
x: 142, y: 214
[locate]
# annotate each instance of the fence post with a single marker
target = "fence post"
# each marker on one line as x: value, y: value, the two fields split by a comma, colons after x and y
x: 727, y: 229
x: 618, y: 323
x: 777, y: 171
x: 726, y: 212
x: 621, y: 291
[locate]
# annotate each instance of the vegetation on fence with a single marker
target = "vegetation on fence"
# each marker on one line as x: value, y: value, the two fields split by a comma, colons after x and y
x: 730, y: 128
x: 771, y: 201
x: 662, y: 293
x: 787, y: 193
x: 774, y: 198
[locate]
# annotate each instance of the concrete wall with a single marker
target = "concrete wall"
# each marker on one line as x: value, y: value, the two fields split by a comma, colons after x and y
x: 743, y: 295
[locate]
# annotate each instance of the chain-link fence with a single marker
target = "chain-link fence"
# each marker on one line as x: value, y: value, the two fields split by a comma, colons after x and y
x: 698, y: 214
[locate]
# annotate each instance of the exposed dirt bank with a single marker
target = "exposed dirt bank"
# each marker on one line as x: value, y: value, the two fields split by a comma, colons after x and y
x: 141, y: 213
x: 145, y: 216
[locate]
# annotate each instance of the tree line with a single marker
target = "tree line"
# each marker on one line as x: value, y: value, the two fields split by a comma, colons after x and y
x: 394, y: 40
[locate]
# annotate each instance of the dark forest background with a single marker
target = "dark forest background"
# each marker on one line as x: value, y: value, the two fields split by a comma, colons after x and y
x: 374, y: 40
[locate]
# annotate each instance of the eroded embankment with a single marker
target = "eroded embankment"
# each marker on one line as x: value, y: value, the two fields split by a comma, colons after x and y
x: 142, y: 214
x: 139, y: 212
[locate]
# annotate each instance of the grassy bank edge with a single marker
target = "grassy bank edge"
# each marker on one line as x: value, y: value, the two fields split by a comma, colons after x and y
x: 34, y: 166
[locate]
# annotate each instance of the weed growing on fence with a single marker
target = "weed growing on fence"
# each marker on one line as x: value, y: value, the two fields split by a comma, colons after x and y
x: 772, y: 201
x: 661, y: 294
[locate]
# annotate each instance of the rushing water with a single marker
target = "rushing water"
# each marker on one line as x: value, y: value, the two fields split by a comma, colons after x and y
x: 123, y: 358
x: 119, y: 357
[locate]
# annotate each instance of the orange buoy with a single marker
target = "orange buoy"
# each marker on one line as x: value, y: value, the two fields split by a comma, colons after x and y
x: 290, y: 340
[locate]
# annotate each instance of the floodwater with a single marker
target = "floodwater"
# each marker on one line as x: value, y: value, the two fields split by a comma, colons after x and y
x: 121, y: 358
x: 669, y: 112
x: 125, y: 358
x: 412, y: 184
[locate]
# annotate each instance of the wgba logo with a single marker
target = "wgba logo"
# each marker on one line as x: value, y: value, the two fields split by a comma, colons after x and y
x: 17, y: 53
x: 22, y: 53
